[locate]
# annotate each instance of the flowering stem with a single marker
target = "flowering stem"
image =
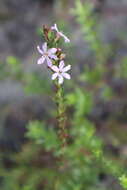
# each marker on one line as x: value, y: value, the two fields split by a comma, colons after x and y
x: 61, y: 109
x: 53, y: 56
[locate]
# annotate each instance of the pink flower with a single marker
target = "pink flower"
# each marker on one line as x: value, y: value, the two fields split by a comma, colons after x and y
x: 66, y: 39
x: 60, y: 72
x: 47, y: 55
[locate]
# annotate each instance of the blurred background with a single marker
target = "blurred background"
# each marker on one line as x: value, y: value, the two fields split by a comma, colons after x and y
x: 98, y: 55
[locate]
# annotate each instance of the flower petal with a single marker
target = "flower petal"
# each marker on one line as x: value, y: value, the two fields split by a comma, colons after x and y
x: 67, y: 68
x: 54, y: 28
x: 55, y: 68
x: 54, y: 76
x: 66, y: 39
x: 41, y: 60
x: 61, y: 79
x: 61, y: 65
x: 49, y: 62
x: 53, y: 57
x: 39, y: 49
x: 66, y: 75
x: 44, y: 47
x: 52, y: 50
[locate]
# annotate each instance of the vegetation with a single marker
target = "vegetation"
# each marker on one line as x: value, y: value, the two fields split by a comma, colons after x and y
x: 83, y: 163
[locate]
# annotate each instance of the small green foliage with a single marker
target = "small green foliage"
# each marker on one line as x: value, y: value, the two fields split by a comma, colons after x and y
x: 39, y: 31
x: 70, y: 99
x: 15, y: 67
x: 11, y: 60
x: 92, y: 76
x: 124, y: 67
x: 121, y: 69
x: 88, y: 21
x: 83, y: 104
x: 107, y: 93
x: 38, y: 132
x: 35, y: 131
x: 27, y: 187
x: 123, y: 181
x: 35, y: 83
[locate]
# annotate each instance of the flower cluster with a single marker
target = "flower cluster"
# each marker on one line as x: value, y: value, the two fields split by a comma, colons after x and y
x: 53, y: 56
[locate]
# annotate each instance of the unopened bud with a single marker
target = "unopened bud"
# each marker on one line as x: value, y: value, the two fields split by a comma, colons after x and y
x: 46, y: 30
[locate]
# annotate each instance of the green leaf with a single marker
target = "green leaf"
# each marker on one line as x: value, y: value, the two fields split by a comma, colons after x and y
x: 42, y: 135
x: 13, y: 61
x: 123, y: 181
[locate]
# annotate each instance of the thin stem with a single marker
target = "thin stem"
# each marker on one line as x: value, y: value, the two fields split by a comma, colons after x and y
x: 61, y: 109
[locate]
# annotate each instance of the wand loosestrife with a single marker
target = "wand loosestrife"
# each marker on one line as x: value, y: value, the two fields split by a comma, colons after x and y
x: 53, y: 57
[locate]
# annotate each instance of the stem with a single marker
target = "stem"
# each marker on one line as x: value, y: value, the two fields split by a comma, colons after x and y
x: 61, y: 108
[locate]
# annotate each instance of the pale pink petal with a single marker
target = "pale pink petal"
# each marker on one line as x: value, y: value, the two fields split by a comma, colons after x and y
x: 49, y: 62
x: 61, y: 79
x: 53, y: 57
x: 54, y: 76
x: 41, y: 60
x: 67, y: 68
x: 44, y: 47
x: 52, y: 50
x: 66, y: 39
x: 55, y: 68
x: 54, y: 27
x: 66, y: 75
x: 60, y: 34
x: 39, y: 49
x: 61, y: 65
